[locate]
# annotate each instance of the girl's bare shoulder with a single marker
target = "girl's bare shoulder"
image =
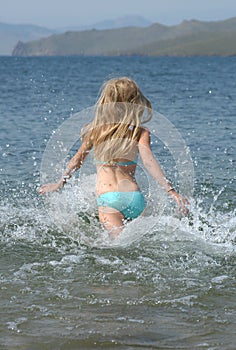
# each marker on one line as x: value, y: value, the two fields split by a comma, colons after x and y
x: 145, y: 136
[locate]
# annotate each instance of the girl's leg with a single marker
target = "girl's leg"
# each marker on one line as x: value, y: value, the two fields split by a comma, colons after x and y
x: 112, y: 220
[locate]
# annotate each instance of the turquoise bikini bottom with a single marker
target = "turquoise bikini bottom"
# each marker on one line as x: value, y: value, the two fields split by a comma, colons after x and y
x: 129, y: 204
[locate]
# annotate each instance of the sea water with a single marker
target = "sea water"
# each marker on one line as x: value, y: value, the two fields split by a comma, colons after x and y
x: 168, y: 282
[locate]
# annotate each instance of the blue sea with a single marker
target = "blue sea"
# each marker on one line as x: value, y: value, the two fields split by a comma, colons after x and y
x: 168, y: 282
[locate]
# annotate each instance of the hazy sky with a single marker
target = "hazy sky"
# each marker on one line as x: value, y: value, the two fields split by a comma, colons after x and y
x: 61, y: 13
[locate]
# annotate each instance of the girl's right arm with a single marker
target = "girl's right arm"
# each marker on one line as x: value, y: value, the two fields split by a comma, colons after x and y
x: 150, y: 162
x: 74, y: 164
x: 153, y: 167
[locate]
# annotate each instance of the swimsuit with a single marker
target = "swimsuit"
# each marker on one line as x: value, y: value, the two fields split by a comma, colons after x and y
x: 132, y: 162
x: 129, y: 204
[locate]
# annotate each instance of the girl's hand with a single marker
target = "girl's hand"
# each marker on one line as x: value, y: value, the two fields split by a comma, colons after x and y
x: 50, y: 187
x: 181, y: 201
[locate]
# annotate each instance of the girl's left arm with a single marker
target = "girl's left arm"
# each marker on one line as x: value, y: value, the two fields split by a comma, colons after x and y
x: 74, y: 164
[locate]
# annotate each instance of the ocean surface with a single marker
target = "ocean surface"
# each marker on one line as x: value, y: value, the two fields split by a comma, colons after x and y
x: 168, y: 282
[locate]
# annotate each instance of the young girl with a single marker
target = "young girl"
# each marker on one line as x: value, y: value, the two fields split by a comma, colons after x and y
x: 117, y: 136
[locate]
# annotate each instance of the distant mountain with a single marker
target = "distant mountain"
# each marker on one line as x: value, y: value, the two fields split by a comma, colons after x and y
x: 121, y: 22
x: 186, y: 39
x: 10, y: 34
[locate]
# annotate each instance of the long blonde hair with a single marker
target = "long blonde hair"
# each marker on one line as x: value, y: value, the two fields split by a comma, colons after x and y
x: 120, y: 111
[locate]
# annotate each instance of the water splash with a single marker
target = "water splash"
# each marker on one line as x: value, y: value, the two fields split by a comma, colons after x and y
x: 72, y: 215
